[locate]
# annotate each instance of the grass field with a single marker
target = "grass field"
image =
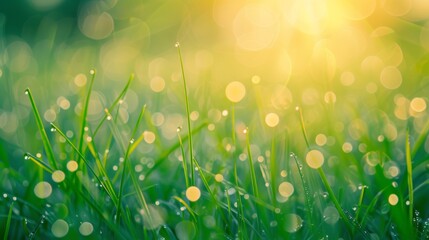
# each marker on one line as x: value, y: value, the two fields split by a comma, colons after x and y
x: 319, y: 135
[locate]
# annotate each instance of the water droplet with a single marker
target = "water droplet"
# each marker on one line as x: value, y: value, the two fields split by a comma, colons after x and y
x: 297, y: 108
x: 132, y: 140
x: 177, y: 44
x: 27, y: 91
x: 92, y: 71
x: 14, y: 198
x: 5, y: 195
x: 53, y: 129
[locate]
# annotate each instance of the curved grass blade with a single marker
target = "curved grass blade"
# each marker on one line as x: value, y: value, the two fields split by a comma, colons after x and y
x: 82, y: 157
x: 38, y: 162
x: 112, y: 107
x: 45, y: 140
x: 191, y: 154
x: 193, y: 214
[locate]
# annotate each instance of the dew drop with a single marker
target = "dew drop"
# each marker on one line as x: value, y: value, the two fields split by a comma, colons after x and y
x: 92, y: 71
x: 26, y: 91
x: 177, y: 44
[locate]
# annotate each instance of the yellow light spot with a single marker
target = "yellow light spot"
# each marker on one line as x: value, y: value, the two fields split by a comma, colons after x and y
x: 396, y: 8
x: 347, y: 147
x: 391, y: 78
x: 219, y: 177
x: 80, y: 80
x: 149, y: 137
x: 358, y: 10
x: 256, y: 79
x: 286, y: 189
x: 321, y: 139
x: 194, y: 115
x: 255, y: 27
x: 43, y: 190
x: 157, y: 84
x: 235, y: 91
x: 347, y: 78
x: 283, y: 173
x: 314, y: 159
x: 58, y: 176
x: 393, y: 171
x: 418, y: 104
x: 330, y: 97
x: 272, y: 119
x: 193, y: 193
x: 72, y: 165
x: 393, y: 199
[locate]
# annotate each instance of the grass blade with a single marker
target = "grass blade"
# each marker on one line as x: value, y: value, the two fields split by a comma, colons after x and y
x: 85, y: 112
x: 191, y: 154
x: 325, y: 180
x: 126, y: 164
x: 45, y: 140
x: 38, y: 162
x: 409, y: 176
x: 252, y: 169
x: 9, y: 219
x: 185, y: 167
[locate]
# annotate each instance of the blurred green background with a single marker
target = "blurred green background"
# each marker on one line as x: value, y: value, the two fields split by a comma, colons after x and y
x: 286, y: 53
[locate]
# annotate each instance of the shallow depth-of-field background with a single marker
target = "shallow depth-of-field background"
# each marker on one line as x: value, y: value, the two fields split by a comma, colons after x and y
x: 217, y: 119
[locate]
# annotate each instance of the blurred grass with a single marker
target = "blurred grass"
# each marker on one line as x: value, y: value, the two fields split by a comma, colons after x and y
x: 359, y: 78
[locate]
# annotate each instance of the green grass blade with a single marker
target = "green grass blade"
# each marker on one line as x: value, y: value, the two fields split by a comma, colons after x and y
x: 252, y: 169
x: 114, y: 104
x: 38, y: 162
x: 126, y: 165
x: 193, y: 214
x: 171, y: 149
x: 409, y: 176
x: 85, y: 112
x: 359, y: 205
x: 78, y: 152
x: 325, y: 182
x: 273, y: 169
x: 45, y: 139
x: 307, y: 197
x: 191, y: 154
x: 184, y: 164
x: 9, y: 219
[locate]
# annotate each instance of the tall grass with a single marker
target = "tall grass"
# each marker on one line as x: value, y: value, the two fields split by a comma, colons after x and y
x: 125, y: 191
